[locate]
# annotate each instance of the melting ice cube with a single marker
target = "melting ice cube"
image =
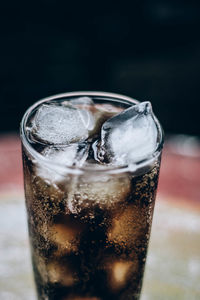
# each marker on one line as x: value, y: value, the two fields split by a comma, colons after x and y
x: 72, y: 155
x: 55, y: 124
x: 130, y: 136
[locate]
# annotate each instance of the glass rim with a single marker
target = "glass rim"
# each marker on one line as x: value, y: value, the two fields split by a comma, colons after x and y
x: 89, y: 169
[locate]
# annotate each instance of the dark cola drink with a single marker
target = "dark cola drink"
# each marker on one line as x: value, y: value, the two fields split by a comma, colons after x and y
x: 91, y: 164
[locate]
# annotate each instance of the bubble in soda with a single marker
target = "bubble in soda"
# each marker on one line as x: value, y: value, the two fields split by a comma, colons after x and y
x: 130, y: 136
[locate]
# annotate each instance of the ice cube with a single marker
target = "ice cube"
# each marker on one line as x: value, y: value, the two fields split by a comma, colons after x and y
x: 120, y: 273
x: 97, y: 191
x: 130, y: 136
x: 74, y: 154
x: 53, y: 271
x: 64, y: 238
x: 71, y: 155
x: 65, y: 235
x: 60, y: 273
x: 55, y: 124
x: 129, y: 227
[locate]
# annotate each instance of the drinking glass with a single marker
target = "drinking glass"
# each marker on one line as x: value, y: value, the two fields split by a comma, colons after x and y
x: 89, y: 226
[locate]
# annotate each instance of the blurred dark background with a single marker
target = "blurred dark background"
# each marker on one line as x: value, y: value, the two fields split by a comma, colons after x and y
x: 149, y: 50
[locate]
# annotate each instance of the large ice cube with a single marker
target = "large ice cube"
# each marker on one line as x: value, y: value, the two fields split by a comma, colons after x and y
x: 72, y: 155
x: 130, y: 136
x: 97, y: 191
x: 55, y: 124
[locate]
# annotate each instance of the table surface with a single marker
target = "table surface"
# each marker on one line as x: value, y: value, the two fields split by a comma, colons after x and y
x: 173, y: 263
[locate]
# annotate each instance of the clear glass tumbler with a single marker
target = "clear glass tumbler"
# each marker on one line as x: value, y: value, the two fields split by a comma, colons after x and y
x: 89, y: 226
